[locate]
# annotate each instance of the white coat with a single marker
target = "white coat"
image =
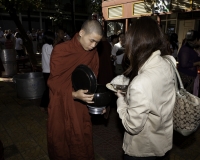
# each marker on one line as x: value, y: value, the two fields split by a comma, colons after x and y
x: 146, y: 111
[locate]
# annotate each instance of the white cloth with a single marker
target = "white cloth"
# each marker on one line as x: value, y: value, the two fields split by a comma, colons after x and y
x: 147, y: 109
x: 46, y: 54
x: 114, y: 51
x: 18, y: 44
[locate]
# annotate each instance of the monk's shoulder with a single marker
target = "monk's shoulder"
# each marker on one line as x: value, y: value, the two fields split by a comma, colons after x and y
x: 61, y: 49
x: 62, y: 46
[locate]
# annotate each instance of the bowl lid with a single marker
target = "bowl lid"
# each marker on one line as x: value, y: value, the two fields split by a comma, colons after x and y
x: 84, y: 78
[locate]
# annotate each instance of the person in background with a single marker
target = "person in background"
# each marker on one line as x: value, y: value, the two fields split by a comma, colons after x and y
x: 12, y: 35
x: 189, y: 60
x: 29, y: 35
x: 67, y: 37
x: 47, y: 48
x: 59, y: 37
x: 17, y: 30
x: 113, y: 40
x: 33, y: 36
x: 174, y: 44
x: 42, y: 32
x: 69, y: 128
x: 118, y: 54
x: 146, y: 115
x: 2, y: 38
x: 19, y: 45
x: 9, y: 44
x: 40, y: 39
x: 5, y: 33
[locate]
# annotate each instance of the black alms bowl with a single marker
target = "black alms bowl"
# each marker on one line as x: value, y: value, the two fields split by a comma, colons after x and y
x: 102, y: 96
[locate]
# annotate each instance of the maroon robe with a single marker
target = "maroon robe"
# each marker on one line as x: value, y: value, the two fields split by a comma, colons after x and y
x: 69, y: 125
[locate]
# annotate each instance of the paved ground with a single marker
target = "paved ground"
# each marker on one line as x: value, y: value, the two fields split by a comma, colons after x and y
x: 23, y: 132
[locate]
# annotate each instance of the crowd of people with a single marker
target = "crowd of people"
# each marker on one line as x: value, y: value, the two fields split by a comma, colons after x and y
x: 147, y: 118
x: 13, y: 40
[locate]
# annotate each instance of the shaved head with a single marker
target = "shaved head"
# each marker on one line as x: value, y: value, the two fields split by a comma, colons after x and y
x: 92, y: 26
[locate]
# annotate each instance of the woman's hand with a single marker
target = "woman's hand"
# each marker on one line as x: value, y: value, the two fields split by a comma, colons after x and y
x: 81, y: 95
x: 119, y: 94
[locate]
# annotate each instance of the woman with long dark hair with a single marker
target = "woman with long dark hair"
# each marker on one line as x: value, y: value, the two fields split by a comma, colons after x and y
x: 146, y: 109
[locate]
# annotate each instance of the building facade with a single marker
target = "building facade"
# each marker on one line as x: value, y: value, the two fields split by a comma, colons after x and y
x: 174, y: 16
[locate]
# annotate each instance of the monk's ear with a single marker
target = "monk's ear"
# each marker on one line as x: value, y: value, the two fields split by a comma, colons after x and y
x: 81, y: 33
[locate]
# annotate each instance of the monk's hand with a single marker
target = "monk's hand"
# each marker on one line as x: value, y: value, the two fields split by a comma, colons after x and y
x: 81, y: 95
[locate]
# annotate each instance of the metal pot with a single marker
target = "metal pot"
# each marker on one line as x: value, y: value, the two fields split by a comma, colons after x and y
x: 29, y: 85
x: 95, y: 110
x: 8, y: 58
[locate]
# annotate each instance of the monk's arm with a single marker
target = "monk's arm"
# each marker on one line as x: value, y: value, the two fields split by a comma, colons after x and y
x: 57, y: 63
x: 81, y: 95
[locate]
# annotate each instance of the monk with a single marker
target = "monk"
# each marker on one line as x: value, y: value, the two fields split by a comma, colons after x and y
x: 69, y: 125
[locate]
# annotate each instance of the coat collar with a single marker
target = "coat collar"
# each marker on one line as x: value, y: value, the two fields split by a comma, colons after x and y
x: 152, y: 61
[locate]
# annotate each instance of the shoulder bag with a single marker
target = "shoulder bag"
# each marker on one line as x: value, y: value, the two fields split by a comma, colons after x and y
x: 186, y: 113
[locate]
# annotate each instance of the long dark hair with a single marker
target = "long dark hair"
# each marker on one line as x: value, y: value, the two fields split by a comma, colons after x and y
x: 142, y: 39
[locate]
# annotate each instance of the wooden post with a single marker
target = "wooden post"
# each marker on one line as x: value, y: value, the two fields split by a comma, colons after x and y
x: 126, y: 25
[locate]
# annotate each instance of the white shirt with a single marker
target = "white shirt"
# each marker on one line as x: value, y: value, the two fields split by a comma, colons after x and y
x: 114, y: 51
x: 46, y: 54
x: 18, y: 44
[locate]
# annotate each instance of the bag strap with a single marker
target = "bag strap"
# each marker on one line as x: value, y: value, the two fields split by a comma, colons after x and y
x: 177, y: 74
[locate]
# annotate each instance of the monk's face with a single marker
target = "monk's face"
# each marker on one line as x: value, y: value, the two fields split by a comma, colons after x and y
x: 89, y: 40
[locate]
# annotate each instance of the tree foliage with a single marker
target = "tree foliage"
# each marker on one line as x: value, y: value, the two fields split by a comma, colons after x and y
x: 95, y: 6
x: 60, y: 14
x: 20, y: 5
x: 15, y: 6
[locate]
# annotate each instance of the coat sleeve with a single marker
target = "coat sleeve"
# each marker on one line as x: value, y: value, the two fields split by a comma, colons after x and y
x: 135, y: 113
